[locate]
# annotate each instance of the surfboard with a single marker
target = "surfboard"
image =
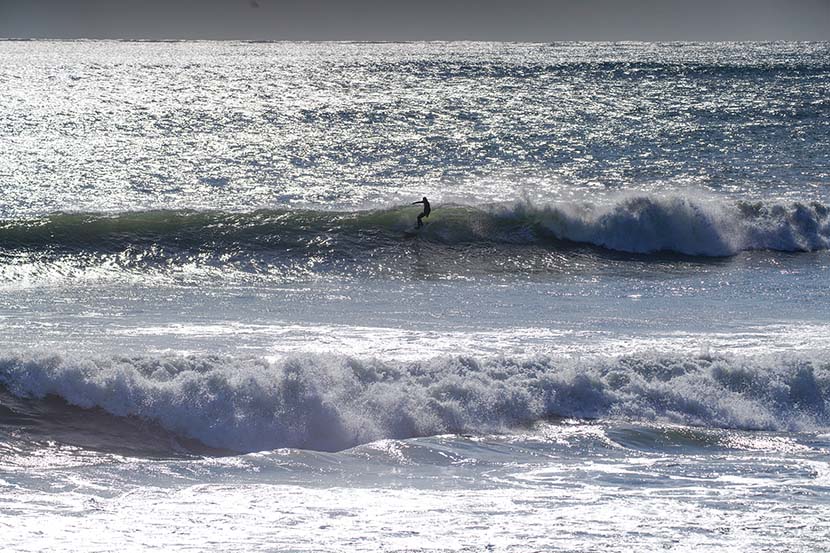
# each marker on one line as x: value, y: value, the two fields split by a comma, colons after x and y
x: 414, y: 231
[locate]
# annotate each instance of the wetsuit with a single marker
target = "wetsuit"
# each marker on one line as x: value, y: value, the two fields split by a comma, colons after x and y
x: 425, y: 213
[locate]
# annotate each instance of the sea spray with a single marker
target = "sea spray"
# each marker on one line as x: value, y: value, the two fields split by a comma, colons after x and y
x: 632, y: 223
x: 331, y: 402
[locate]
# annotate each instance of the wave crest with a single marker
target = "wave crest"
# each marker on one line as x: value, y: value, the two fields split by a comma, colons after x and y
x: 640, y: 224
x: 332, y: 402
x: 648, y: 224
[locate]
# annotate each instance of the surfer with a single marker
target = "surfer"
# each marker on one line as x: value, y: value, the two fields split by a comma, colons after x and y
x: 425, y: 213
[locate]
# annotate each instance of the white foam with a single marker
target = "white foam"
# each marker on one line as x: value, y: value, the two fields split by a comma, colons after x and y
x: 645, y: 223
x: 333, y: 402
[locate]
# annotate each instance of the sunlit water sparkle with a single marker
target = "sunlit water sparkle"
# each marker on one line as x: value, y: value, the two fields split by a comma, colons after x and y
x: 219, y: 332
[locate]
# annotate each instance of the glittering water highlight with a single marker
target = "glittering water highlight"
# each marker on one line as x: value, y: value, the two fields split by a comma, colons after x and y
x: 221, y: 332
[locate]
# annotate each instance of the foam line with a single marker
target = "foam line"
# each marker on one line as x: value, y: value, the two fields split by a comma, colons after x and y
x: 332, y: 402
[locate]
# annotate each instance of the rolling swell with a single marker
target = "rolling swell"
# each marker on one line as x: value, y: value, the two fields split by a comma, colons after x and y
x: 639, y: 224
x: 329, y: 402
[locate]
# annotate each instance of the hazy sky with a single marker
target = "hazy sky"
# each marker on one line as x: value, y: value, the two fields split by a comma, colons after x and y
x: 532, y: 20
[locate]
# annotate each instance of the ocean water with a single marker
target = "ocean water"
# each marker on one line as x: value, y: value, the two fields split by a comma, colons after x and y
x: 220, y: 331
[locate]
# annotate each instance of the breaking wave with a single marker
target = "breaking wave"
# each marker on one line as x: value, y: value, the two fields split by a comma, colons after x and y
x: 335, y: 402
x: 638, y: 224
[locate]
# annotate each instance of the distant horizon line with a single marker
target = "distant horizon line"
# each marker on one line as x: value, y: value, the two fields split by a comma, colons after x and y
x: 408, y: 41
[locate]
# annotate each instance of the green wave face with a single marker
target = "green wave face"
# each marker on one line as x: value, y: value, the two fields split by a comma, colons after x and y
x: 641, y: 224
x: 262, y: 229
x: 456, y: 240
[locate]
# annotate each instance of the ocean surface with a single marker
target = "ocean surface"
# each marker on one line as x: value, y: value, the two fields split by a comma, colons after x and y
x: 219, y: 330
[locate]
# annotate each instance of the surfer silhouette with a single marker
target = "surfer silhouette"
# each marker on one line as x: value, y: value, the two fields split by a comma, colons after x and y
x: 425, y: 213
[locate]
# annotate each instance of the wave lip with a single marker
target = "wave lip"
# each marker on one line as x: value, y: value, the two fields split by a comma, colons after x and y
x: 640, y: 224
x: 328, y: 402
x: 648, y: 224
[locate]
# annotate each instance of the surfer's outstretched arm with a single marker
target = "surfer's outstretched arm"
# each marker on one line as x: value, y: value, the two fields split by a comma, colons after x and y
x: 418, y: 202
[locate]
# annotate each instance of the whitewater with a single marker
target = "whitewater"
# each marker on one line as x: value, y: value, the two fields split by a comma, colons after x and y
x: 219, y: 330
